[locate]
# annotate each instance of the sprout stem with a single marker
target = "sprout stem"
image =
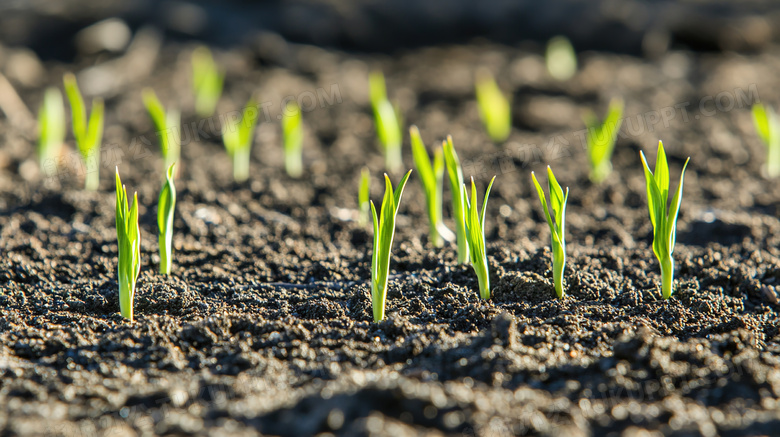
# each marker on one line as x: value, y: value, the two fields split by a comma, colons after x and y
x: 667, y: 277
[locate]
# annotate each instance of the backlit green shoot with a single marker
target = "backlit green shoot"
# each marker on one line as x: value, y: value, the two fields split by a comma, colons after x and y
x: 555, y: 213
x: 386, y: 119
x: 128, y: 236
x: 207, y: 81
x: 494, y: 107
x: 165, y: 207
x: 431, y: 178
x: 663, y: 215
x: 292, y: 134
x: 601, y: 139
x: 455, y: 174
x: 384, y: 229
x: 51, y: 127
x: 364, y: 192
x: 768, y: 127
x: 561, y: 59
x: 88, y: 135
x: 237, y: 137
x: 475, y: 232
x: 166, y: 125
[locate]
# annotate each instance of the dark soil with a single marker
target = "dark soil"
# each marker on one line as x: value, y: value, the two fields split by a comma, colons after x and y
x: 265, y: 326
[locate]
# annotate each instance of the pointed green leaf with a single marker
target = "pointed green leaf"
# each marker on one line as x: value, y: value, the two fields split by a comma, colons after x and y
x: 661, y: 173
x: 485, y: 202
x: 674, y: 210
x: 78, y: 112
x: 761, y: 120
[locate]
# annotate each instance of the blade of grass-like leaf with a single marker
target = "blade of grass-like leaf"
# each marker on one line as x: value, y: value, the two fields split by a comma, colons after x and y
x: 399, y: 191
x: 556, y: 194
x: 78, y: 112
x: 95, y: 129
x: 674, y: 210
x: 543, y: 200
x: 422, y: 160
x: 649, y: 180
x: 661, y: 173
x: 761, y: 121
x: 484, y: 204
x: 377, y: 88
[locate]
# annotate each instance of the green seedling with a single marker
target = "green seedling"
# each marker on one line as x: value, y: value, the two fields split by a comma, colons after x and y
x: 88, y: 135
x: 601, y: 139
x: 475, y: 232
x: 165, y: 123
x: 431, y: 178
x: 387, y: 121
x: 364, y: 192
x: 51, y: 126
x: 768, y: 127
x: 455, y: 173
x: 494, y: 108
x: 238, y: 137
x: 663, y: 216
x: 128, y: 236
x: 557, y: 222
x: 207, y: 81
x: 384, y: 229
x: 292, y: 134
x: 165, y: 207
x: 561, y: 59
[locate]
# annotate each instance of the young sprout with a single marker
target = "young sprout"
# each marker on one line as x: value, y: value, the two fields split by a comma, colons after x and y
x: 165, y: 207
x: 207, y: 81
x: 601, y: 139
x: 386, y: 118
x: 128, y: 236
x: 494, y: 108
x: 455, y: 174
x: 51, y: 126
x: 364, y: 191
x: 557, y: 222
x: 431, y: 177
x: 238, y: 137
x: 768, y: 127
x: 663, y: 216
x: 561, y: 59
x: 165, y: 123
x: 88, y: 135
x: 475, y: 232
x: 384, y: 229
x: 292, y: 134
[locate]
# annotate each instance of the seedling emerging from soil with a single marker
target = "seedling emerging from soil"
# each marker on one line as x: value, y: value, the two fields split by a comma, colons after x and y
x: 165, y: 207
x: 88, y: 135
x: 475, y: 231
x: 387, y: 121
x: 384, y: 229
x: 207, y: 81
x: 292, y: 133
x: 663, y: 217
x: 455, y: 174
x: 237, y: 138
x: 128, y: 236
x: 561, y: 58
x: 364, y: 191
x: 557, y: 222
x: 431, y: 177
x: 601, y: 139
x: 768, y: 128
x: 51, y: 126
x: 165, y: 123
x: 494, y: 108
